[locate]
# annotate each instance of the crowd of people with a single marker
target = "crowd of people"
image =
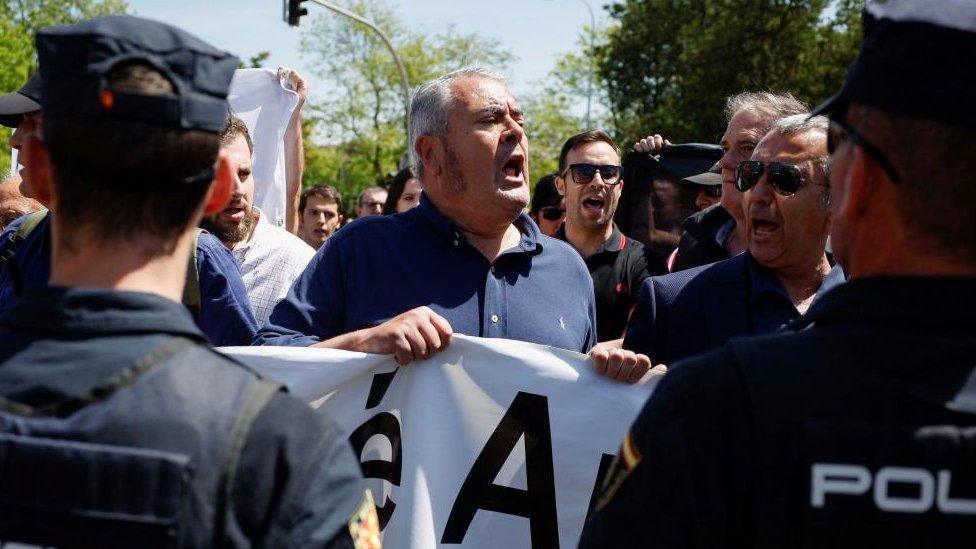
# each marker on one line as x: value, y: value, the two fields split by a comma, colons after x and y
x: 805, y: 287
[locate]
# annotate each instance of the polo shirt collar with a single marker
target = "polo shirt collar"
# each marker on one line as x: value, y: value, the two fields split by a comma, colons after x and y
x: 530, y: 241
x: 78, y: 310
x: 612, y: 245
x: 763, y: 281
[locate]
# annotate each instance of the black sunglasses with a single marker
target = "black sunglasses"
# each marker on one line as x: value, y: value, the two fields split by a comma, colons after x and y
x: 584, y: 173
x: 841, y: 131
x: 552, y: 213
x: 785, y: 179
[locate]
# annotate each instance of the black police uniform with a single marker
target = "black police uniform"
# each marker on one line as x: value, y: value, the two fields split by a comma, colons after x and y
x: 618, y: 269
x: 119, y: 425
x: 855, y: 428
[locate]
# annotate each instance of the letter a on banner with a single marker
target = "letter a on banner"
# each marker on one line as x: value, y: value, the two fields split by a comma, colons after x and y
x: 528, y: 415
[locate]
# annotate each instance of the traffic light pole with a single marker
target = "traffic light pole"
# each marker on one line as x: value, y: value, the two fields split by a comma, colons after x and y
x: 404, y: 82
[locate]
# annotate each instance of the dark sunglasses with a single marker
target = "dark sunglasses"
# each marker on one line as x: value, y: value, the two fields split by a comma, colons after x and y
x: 785, y: 179
x: 552, y: 213
x: 584, y: 173
x: 840, y: 131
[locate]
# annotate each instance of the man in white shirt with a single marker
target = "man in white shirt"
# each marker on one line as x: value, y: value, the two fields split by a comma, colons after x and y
x: 270, y: 257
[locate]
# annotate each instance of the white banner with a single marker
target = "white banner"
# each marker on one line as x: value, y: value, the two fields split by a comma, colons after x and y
x: 258, y: 98
x: 490, y: 443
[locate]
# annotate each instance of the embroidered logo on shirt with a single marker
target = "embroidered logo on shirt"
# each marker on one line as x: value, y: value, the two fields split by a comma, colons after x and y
x: 364, y: 527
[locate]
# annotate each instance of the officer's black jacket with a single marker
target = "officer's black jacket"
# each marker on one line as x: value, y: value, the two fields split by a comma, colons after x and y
x: 855, y: 427
x: 297, y: 482
x: 698, y: 245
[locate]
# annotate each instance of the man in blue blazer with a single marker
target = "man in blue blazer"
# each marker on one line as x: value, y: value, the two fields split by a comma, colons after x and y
x: 785, y: 268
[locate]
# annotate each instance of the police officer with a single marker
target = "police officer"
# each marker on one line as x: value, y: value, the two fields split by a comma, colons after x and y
x: 857, y: 426
x: 214, y: 290
x: 119, y: 425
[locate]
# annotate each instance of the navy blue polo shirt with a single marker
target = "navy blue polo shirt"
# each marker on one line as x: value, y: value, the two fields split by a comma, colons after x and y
x: 225, y: 312
x: 381, y: 266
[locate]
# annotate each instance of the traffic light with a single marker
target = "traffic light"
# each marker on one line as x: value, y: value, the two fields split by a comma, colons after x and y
x: 294, y: 11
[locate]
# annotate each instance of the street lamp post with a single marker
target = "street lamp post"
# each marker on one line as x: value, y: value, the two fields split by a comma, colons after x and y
x: 404, y: 82
x: 589, y: 85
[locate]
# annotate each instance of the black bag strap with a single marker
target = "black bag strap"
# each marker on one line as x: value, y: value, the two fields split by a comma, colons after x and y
x: 258, y: 398
x: 100, y: 392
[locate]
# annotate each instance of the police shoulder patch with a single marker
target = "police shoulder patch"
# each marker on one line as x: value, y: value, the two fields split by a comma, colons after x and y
x: 364, y: 526
x: 621, y: 467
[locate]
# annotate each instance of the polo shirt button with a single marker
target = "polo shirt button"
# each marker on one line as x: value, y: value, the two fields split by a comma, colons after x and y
x: 494, y: 318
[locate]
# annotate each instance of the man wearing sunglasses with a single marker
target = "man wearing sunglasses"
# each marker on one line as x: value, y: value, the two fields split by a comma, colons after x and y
x: 854, y: 426
x: 590, y: 180
x: 785, y: 200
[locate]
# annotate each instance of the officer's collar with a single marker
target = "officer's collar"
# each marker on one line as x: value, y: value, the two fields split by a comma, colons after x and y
x: 531, y: 238
x: 97, y: 311
x: 936, y: 301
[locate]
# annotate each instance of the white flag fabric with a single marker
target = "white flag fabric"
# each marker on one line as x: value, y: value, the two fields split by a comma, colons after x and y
x: 258, y: 98
x: 490, y: 443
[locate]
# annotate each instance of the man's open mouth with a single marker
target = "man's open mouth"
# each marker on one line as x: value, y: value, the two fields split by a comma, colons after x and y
x: 594, y: 203
x: 513, y: 168
x: 764, y: 226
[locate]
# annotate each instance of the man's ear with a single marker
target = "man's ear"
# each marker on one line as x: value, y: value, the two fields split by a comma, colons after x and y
x: 222, y: 187
x: 560, y: 185
x: 37, y: 170
x: 430, y: 151
x: 855, y: 200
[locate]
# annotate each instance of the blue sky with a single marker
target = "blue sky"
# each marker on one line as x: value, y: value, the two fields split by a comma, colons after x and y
x: 536, y: 31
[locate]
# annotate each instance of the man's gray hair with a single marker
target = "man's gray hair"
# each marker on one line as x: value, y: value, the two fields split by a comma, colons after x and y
x: 803, y: 124
x: 772, y: 105
x: 368, y: 190
x: 431, y: 104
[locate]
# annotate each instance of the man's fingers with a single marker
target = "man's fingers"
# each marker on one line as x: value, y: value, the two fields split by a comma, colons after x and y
x: 443, y: 328
x: 641, y: 366
x: 600, y: 356
x: 431, y: 338
x: 614, y: 363
x: 401, y: 351
x: 660, y: 369
x: 418, y: 346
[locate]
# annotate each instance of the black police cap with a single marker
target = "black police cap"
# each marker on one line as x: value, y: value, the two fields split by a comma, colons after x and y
x: 75, y: 61
x: 916, y: 60
x: 14, y: 105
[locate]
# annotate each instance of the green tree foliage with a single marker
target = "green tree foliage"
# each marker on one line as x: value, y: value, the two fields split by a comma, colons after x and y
x: 361, y: 114
x: 20, y: 20
x: 669, y: 64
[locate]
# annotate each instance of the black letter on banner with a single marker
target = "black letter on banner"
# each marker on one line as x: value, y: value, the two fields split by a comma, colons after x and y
x: 528, y: 414
x: 387, y: 425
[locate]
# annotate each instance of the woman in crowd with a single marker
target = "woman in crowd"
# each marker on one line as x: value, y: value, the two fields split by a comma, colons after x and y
x: 404, y: 193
